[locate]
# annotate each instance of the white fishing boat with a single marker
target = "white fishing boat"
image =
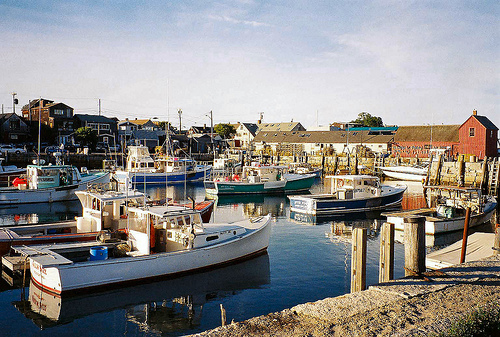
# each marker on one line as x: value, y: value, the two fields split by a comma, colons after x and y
x: 447, y: 209
x: 162, y: 241
x: 9, y: 172
x: 103, y: 209
x: 401, y: 172
x: 305, y: 168
x: 348, y: 194
x: 50, y: 183
x: 141, y: 168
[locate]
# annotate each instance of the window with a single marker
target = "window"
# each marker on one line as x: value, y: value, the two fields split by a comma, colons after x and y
x: 15, y: 124
x: 471, y: 132
x: 59, y: 112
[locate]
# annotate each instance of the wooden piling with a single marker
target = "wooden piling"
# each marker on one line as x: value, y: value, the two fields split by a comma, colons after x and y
x: 461, y: 171
x: 386, y: 265
x: 358, y: 261
x: 496, y: 243
x: 414, y: 233
x: 223, y: 314
x: 465, y: 236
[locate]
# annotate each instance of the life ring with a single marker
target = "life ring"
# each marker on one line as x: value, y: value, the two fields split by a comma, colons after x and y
x: 340, y: 183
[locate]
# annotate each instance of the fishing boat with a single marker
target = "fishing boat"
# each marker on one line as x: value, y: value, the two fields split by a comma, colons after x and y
x: 260, y: 179
x: 305, y: 168
x: 9, y: 172
x: 103, y: 209
x: 49, y: 183
x: 401, y: 172
x: 349, y: 194
x: 163, y: 241
x: 447, y: 209
x: 141, y: 168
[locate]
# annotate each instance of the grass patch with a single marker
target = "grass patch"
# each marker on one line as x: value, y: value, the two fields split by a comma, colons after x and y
x: 483, y: 321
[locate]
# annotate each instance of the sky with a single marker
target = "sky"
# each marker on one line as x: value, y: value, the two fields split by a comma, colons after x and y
x: 314, y: 62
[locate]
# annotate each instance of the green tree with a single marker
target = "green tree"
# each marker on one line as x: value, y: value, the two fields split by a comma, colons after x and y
x: 87, y: 137
x: 366, y: 119
x: 224, y: 130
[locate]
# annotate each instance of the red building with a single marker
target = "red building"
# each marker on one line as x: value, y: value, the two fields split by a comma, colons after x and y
x: 424, y: 140
x: 479, y: 137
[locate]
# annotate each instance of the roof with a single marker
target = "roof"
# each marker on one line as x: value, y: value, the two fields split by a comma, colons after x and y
x: 321, y: 137
x: 427, y: 133
x: 484, y: 121
x: 251, y: 127
x: 144, y: 134
x: 94, y: 118
x: 280, y: 126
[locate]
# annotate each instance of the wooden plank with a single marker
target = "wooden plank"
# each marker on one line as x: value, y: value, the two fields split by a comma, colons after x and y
x: 386, y: 265
x: 358, y: 263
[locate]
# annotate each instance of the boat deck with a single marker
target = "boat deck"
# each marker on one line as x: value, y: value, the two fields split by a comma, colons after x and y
x: 410, y: 213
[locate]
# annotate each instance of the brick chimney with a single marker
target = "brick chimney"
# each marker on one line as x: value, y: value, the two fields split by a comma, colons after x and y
x: 474, y: 112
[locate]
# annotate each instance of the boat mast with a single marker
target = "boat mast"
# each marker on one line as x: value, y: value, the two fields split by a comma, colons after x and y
x: 39, y: 128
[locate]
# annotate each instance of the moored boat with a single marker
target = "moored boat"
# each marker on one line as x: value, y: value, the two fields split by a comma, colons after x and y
x: 50, y: 183
x: 141, y: 168
x: 260, y: 179
x: 160, y: 242
x: 348, y: 194
x: 412, y: 173
x: 102, y: 210
x: 447, y: 209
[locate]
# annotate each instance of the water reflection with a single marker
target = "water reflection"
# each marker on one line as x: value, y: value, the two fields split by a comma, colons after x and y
x: 21, y: 214
x: 166, y: 306
x: 255, y: 205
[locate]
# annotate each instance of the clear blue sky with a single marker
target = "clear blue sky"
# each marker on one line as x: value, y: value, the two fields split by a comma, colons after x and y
x: 409, y: 62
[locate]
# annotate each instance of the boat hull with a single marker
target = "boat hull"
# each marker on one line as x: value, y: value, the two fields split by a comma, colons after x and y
x: 12, y: 195
x: 329, y: 205
x: 154, y: 178
x: 71, y: 277
x: 404, y: 173
x: 298, y: 184
x: 435, y: 225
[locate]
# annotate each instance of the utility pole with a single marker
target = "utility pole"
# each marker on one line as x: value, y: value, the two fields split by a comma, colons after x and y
x: 180, y: 120
x: 212, y: 131
x: 14, y: 102
x: 99, y: 100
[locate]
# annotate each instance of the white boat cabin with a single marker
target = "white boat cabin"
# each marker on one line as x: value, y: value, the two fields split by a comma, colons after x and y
x: 139, y: 160
x: 50, y: 176
x: 257, y: 173
x: 106, y: 210
x: 172, y: 228
x: 353, y: 186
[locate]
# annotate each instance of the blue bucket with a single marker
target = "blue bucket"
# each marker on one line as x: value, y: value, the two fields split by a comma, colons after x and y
x: 98, y: 253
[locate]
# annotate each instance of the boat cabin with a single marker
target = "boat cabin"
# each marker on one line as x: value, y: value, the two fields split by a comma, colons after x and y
x: 171, y: 228
x: 139, y: 160
x: 353, y: 186
x: 174, y: 164
x: 49, y: 176
x: 106, y: 210
x: 257, y: 173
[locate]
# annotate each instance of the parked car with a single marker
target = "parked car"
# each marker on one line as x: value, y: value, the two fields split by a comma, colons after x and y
x: 53, y: 149
x: 11, y: 149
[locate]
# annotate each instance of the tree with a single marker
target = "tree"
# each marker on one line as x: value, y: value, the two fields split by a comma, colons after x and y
x: 87, y: 137
x: 366, y: 119
x: 224, y: 130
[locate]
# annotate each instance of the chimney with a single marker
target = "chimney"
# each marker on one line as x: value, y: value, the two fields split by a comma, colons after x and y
x: 474, y: 113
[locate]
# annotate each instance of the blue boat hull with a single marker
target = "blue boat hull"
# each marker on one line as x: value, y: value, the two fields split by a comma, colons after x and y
x: 171, y: 178
x: 329, y: 205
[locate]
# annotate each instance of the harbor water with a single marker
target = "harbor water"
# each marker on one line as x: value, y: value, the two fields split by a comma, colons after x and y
x: 305, y: 262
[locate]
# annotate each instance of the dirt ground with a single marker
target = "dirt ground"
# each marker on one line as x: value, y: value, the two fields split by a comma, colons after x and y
x: 382, y: 311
